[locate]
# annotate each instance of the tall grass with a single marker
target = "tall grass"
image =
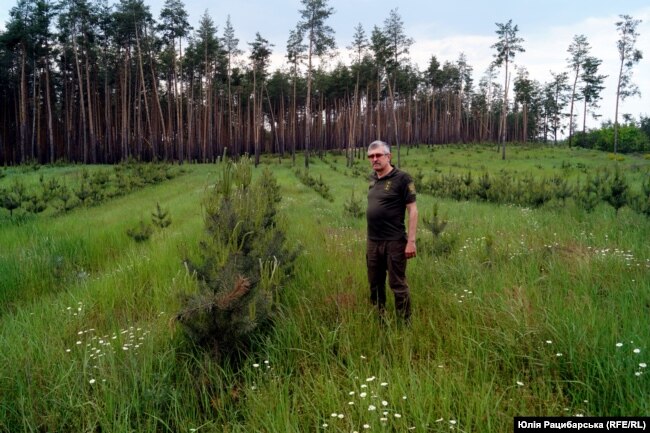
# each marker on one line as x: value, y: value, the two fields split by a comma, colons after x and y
x: 530, y: 312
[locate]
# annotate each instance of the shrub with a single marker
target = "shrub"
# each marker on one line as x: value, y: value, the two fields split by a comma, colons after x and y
x: 538, y: 192
x: 316, y: 184
x: 65, y: 196
x: 588, y: 196
x: 83, y: 191
x: 35, y: 204
x: 642, y: 201
x: 13, y: 198
x: 438, y: 244
x: 140, y: 233
x: 352, y: 207
x: 561, y: 189
x: 160, y: 217
x: 631, y: 138
x: 483, y: 187
x: 616, y: 193
x: 49, y: 188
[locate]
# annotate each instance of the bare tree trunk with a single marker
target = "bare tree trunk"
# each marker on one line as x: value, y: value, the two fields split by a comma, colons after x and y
x: 308, y: 103
x: 378, y: 132
x: 108, y: 139
x: 432, y: 119
x: 230, y: 122
x: 393, y: 109
x: 282, y: 126
x: 525, y: 131
x: 618, y: 97
x: 504, y: 114
x: 352, y: 119
x: 35, y: 113
x: 161, y: 117
x: 218, y: 121
x: 584, y: 120
x: 210, y: 117
x: 273, y: 125
x: 124, y: 108
x: 369, y: 136
x: 256, y: 143
x: 67, y: 108
x: 48, y: 102
x: 91, y: 125
x: 143, y: 86
x: 23, y: 104
x: 171, y: 98
x: 137, y: 117
x: 178, y: 107
x: 190, y: 121
x: 320, y: 128
x: 573, y: 95
x: 81, y: 99
x: 207, y: 108
x: 294, y: 121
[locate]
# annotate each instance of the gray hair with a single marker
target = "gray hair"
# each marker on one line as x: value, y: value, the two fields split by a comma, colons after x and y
x: 378, y: 143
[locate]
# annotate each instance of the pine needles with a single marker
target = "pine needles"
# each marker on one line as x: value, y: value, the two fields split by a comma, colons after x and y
x: 241, y: 261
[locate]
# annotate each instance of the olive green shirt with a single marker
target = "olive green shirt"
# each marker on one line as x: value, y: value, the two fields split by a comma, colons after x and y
x: 387, y: 200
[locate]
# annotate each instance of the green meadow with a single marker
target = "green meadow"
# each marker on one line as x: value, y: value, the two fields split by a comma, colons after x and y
x: 517, y: 310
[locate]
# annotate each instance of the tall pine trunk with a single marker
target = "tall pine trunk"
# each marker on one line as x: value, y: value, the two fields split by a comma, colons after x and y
x: 573, y: 96
x: 50, y: 126
x: 81, y: 99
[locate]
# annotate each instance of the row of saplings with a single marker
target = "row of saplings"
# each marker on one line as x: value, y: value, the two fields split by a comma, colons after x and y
x: 606, y: 186
x: 317, y: 185
x: 240, y: 264
x: 88, y: 188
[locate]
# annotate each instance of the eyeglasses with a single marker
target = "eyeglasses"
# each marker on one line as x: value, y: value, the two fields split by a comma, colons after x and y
x: 375, y: 155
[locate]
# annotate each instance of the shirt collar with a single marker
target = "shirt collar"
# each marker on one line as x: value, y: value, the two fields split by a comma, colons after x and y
x: 390, y: 174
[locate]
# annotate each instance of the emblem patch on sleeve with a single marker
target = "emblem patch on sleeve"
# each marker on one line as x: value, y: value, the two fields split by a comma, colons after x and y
x: 411, y: 187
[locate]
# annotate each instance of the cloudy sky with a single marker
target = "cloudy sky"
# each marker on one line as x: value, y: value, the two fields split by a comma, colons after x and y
x: 445, y: 29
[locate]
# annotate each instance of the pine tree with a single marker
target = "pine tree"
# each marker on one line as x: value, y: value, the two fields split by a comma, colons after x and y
x: 239, y: 266
x: 319, y: 40
x: 592, y: 87
x: 141, y: 232
x: 617, y: 191
x: 259, y: 57
x: 352, y: 207
x: 160, y: 217
x: 579, y: 50
x: 508, y: 45
x: 295, y: 56
x: 230, y: 45
x: 629, y: 55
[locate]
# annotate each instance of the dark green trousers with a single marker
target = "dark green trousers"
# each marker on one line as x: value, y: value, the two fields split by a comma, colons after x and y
x: 388, y: 257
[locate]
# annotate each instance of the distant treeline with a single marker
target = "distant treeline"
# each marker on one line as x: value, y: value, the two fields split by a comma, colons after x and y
x: 87, y: 82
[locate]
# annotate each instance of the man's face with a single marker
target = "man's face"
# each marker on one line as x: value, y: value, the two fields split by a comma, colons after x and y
x: 379, y: 160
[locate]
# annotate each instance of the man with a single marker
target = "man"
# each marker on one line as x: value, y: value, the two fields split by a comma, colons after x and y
x: 391, y: 193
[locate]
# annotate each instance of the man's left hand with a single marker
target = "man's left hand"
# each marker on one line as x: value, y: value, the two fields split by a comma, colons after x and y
x: 411, y: 250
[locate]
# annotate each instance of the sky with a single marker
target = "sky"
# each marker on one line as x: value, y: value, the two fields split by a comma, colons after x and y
x: 446, y: 29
